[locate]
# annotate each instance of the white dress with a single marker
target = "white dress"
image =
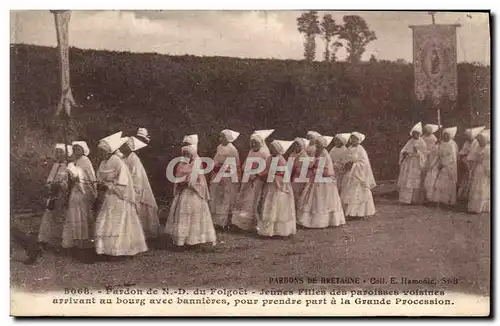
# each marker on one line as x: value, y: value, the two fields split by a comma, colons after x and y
x: 441, y: 181
x: 224, y: 192
x: 51, y: 226
x: 189, y: 221
x: 78, y: 230
x: 278, y: 205
x: 247, y: 205
x: 298, y: 162
x: 338, y: 155
x: 467, y: 155
x: 145, y: 201
x: 118, y: 230
x: 356, y: 192
x: 480, y: 186
x: 411, y: 170
x: 319, y: 205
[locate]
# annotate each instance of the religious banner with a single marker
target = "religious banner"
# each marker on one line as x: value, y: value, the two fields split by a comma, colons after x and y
x: 435, y: 61
x: 62, y: 18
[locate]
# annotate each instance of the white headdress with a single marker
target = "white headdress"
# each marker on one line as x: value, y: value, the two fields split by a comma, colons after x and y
x: 313, y: 134
x: 452, y: 131
x: 486, y: 134
x: 302, y: 141
x: 193, y: 149
x: 263, y: 134
x: 191, y: 139
x: 112, y: 143
x: 432, y: 128
x: 359, y: 136
x: 281, y: 145
x: 417, y: 128
x: 474, y: 131
x: 143, y: 133
x: 344, y: 137
x: 230, y: 135
x: 63, y: 148
x: 325, y: 140
x: 135, y: 144
x: 83, y: 145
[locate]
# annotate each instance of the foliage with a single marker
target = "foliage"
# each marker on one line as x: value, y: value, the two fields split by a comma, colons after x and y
x: 329, y: 29
x: 308, y: 24
x: 357, y: 34
x: 175, y: 95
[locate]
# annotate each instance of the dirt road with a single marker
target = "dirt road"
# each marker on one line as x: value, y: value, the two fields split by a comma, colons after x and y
x: 399, y: 241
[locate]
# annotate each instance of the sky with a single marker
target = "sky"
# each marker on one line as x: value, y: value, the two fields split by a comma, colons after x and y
x: 243, y: 34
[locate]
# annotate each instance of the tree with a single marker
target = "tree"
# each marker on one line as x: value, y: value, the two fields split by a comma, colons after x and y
x: 373, y: 58
x: 308, y: 24
x: 328, y: 30
x: 357, y: 35
x: 335, y: 48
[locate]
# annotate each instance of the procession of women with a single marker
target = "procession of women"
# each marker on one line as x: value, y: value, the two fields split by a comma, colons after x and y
x: 437, y: 172
x: 277, y: 188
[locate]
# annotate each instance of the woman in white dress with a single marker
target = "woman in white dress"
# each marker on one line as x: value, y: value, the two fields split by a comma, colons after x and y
x: 428, y: 137
x: 338, y: 155
x: 51, y: 227
x: 441, y: 180
x: 191, y: 140
x: 319, y: 203
x: 431, y: 143
x: 412, y: 162
x: 247, y: 205
x: 358, y: 183
x: 145, y: 202
x: 118, y: 230
x: 465, y: 160
x: 480, y: 185
x: 78, y: 230
x: 299, y: 158
x: 311, y: 137
x: 223, y: 190
x: 278, y: 204
x: 189, y: 221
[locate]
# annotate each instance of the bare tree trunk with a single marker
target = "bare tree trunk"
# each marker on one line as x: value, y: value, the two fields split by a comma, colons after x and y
x: 327, y: 50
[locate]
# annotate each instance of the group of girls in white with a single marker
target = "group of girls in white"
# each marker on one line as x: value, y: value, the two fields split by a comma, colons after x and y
x: 112, y: 213
x: 429, y: 168
x: 271, y: 207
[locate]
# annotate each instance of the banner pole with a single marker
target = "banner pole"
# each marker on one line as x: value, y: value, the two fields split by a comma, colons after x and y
x: 439, y: 116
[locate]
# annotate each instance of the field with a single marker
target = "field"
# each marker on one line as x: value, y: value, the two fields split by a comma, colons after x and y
x: 399, y: 241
